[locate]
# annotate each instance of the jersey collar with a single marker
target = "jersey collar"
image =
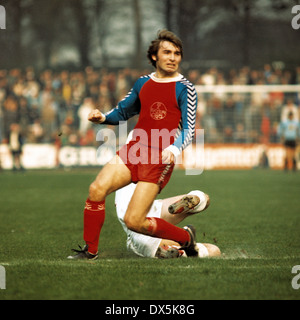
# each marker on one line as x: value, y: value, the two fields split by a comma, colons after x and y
x: 165, y: 80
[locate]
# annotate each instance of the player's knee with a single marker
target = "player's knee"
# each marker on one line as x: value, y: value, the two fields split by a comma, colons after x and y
x: 130, y: 223
x: 133, y: 224
x: 96, y: 192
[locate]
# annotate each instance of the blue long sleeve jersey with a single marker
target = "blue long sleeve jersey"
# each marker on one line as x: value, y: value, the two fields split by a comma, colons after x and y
x: 161, y: 104
x: 289, y: 130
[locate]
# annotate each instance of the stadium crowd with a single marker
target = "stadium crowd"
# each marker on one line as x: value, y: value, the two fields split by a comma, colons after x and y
x: 52, y: 107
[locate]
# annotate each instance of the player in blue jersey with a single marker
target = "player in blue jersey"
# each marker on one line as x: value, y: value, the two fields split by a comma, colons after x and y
x: 289, y: 131
x: 166, y: 103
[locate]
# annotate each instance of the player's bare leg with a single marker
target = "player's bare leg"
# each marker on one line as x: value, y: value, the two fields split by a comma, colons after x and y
x: 290, y: 160
x: 171, y: 249
x: 140, y: 204
x: 184, y: 204
x: 136, y: 219
x: 113, y: 176
x: 189, y: 209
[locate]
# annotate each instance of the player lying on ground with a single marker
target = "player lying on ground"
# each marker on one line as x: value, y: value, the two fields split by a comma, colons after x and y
x: 174, y: 210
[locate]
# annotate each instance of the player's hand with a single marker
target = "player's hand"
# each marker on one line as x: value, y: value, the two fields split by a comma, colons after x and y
x: 96, y: 116
x: 167, y: 157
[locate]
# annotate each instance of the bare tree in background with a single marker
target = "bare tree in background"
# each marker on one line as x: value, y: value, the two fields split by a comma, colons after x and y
x: 46, y: 25
x: 137, y: 63
x: 83, y: 30
x: 43, y: 33
x: 182, y: 18
x: 10, y: 39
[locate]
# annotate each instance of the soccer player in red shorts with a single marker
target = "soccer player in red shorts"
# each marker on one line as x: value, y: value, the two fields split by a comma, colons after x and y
x: 166, y: 103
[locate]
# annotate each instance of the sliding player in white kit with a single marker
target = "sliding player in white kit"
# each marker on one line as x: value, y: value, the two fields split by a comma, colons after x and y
x: 174, y: 210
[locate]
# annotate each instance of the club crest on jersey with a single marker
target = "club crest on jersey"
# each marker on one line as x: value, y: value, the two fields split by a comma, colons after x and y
x: 158, y: 111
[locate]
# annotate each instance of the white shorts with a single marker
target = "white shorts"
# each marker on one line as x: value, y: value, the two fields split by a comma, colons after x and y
x: 140, y: 244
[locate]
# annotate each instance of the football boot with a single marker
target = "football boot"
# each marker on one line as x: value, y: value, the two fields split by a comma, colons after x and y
x: 82, y: 254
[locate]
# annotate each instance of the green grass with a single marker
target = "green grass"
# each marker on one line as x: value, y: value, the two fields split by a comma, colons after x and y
x: 254, y: 218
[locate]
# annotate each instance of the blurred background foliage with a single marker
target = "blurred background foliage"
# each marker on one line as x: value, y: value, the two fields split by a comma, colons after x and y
x: 116, y: 33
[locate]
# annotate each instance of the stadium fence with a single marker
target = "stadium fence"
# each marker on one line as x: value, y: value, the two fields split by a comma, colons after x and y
x: 240, y: 132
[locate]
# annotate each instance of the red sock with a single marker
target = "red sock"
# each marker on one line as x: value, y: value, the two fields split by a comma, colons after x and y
x: 93, y: 220
x: 162, y: 229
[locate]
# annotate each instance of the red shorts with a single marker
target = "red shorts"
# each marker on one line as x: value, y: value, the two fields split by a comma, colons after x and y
x: 145, y: 164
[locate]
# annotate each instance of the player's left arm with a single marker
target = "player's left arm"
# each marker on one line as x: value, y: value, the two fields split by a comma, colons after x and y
x: 187, y: 102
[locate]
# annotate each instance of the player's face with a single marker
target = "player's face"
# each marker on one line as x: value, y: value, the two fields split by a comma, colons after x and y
x: 167, y: 60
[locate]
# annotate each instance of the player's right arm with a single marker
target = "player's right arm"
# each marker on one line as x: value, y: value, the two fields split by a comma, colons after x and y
x: 96, y: 116
x: 126, y: 108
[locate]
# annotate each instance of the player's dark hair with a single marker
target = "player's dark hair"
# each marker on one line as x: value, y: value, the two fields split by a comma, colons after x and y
x: 163, y: 35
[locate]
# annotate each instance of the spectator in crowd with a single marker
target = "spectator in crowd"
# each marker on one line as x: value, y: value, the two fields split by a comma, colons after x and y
x: 16, y: 145
x: 10, y: 113
x: 49, y: 118
x: 288, y: 108
x: 28, y: 98
x: 36, y: 132
x: 240, y: 135
x: 84, y: 110
x: 229, y: 119
x: 289, y: 132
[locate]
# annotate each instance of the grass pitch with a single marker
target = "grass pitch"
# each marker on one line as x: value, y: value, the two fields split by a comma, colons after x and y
x: 254, y: 218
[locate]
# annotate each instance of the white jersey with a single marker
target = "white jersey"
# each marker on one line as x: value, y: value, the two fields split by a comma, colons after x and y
x: 141, y: 244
